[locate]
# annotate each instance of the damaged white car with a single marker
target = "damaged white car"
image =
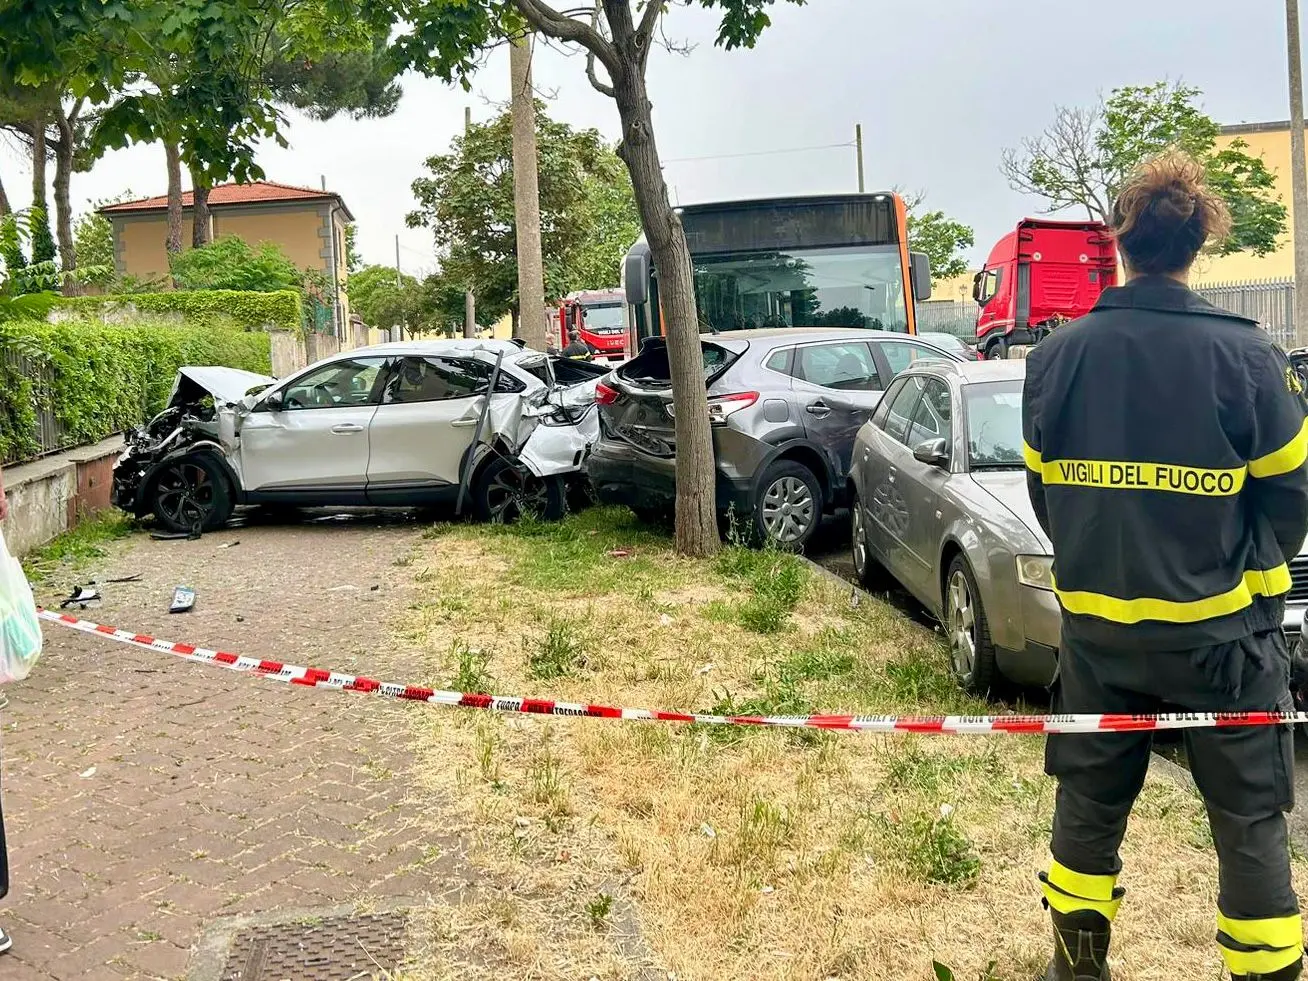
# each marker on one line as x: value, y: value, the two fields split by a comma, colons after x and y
x: 395, y: 425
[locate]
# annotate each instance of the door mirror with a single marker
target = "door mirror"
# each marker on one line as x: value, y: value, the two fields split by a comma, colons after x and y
x: 275, y: 402
x: 920, y: 274
x: 976, y: 286
x: 635, y: 278
x: 932, y: 453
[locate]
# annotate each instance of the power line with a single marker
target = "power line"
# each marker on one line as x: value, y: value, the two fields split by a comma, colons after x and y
x: 762, y: 153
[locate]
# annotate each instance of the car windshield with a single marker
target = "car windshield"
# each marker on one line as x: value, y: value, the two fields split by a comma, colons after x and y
x: 603, y: 317
x: 994, y: 424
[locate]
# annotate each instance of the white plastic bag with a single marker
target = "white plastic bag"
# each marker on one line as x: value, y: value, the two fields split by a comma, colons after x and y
x: 20, y: 631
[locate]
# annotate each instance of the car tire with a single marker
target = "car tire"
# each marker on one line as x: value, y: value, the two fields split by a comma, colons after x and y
x: 191, y: 494
x: 967, y: 631
x: 997, y: 351
x: 870, y: 573
x: 787, y: 505
x: 503, y: 493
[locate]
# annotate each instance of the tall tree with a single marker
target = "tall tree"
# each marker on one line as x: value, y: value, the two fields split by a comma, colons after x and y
x: 588, y: 213
x: 944, y: 240
x: 446, y: 37
x: 1083, y: 159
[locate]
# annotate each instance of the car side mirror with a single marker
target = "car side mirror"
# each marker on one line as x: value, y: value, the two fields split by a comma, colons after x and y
x: 275, y: 402
x: 932, y: 453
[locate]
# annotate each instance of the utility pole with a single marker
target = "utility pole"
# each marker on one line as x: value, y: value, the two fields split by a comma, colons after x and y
x: 398, y: 281
x: 858, y: 149
x: 469, y: 299
x: 526, y: 197
x: 1298, y: 173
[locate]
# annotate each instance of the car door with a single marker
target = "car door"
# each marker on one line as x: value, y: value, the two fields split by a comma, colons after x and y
x: 309, y: 444
x: 922, y: 485
x: 887, y: 506
x: 425, y: 425
x: 894, y: 354
x: 837, y: 386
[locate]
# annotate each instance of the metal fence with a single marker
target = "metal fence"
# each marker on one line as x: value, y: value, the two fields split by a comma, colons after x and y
x: 1269, y: 301
x: 957, y: 317
x: 48, y: 435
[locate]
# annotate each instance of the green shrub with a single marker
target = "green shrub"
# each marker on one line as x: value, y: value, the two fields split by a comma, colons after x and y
x: 98, y: 379
x: 279, y: 310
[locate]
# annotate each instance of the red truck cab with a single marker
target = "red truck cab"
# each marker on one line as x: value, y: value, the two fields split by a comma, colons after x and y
x: 1041, y: 274
x: 598, y: 317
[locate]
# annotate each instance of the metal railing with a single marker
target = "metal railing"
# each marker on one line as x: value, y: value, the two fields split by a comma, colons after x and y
x: 47, y: 434
x: 1269, y: 301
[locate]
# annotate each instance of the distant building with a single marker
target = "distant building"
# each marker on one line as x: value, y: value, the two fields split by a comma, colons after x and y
x: 308, y: 224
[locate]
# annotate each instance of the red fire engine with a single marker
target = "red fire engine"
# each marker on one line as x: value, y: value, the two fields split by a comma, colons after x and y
x: 597, y: 316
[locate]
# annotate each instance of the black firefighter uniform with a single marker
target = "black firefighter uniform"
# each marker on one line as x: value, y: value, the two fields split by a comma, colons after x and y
x: 1165, y: 451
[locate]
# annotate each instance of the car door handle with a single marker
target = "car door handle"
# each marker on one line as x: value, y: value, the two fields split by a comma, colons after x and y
x: 463, y: 423
x: 346, y: 428
x: 818, y: 409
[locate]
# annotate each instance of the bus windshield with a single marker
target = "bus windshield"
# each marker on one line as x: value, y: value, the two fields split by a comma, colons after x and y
x: 860, y: 286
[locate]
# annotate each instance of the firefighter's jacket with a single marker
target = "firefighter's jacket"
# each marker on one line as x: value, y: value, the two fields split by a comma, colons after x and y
x: 1165, y: 450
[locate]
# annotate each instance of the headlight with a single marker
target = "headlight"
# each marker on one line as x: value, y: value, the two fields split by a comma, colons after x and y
x: 1036, y: 571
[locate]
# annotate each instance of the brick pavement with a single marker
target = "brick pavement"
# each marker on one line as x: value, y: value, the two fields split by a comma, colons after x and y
x: 146, y: 796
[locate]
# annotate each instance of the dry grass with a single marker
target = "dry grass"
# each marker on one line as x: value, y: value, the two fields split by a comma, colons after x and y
x: 747, y: 854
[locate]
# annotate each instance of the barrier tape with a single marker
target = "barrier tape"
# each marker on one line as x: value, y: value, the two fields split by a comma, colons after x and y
x: 940, y: 724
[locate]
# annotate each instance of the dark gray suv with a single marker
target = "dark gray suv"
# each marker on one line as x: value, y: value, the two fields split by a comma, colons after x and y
x: 785, y: 406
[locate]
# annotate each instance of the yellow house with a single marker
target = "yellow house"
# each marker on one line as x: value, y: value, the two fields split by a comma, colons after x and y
x: 308, y: 224
x: 1271, y: 141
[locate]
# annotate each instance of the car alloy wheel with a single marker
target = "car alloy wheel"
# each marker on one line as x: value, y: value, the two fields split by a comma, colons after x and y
x: 185, y: 495
x: 858, y: 535
x: 788, y: 510
x: 961, y: 618
x: 512, y: 493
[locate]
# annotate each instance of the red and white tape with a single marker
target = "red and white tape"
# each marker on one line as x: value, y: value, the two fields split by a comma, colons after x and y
x: 940, y: 724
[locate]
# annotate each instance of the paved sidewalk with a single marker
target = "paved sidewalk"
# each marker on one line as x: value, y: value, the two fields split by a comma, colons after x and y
x: 145, y: 796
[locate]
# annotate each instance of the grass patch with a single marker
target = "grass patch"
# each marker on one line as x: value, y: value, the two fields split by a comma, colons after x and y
x: 471, y: 669
x: 775, y: 581
x: 931, y: 849
x: 78, y: 546
x: 563, y: 650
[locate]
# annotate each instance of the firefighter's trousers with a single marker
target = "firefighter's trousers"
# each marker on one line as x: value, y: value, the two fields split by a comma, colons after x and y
x: 1244, y: 774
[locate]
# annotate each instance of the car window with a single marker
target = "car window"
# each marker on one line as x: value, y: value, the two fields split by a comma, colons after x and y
x: 900, y: 416
x: 847, y: 366
x: 341, y: 383
x: 780, y: 360
x: 883, y: 407
x: 435, y: 379
x: 931, y: 419
x: 901, y: 354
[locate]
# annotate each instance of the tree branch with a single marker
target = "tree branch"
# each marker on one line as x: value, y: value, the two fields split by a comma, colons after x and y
x: 600, y: 87
x: 551, y: 23
x: 649, y: 19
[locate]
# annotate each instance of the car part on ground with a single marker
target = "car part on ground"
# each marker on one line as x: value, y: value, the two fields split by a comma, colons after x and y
x: 785, y: 405
x: 390, y: 425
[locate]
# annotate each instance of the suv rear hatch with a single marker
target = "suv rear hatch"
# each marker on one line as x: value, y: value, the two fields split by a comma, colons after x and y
x: 640, y: 410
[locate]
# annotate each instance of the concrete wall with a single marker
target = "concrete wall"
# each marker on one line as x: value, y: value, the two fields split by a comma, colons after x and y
x: 48, y: 497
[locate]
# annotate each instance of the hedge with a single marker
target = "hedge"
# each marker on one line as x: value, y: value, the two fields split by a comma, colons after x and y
x: 98, y: 379
x: 280, y: 310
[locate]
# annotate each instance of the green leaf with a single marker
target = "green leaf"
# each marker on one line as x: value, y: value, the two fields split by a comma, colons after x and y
x: 942, y: 973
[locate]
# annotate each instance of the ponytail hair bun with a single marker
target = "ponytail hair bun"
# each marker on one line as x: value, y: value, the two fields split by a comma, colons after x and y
x: 1165, y: 214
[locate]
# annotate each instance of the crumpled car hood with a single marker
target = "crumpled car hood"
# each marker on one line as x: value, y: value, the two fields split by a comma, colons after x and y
x: 226, y: 385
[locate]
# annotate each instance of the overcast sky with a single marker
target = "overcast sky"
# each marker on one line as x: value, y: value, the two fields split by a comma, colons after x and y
x: 940, y: 87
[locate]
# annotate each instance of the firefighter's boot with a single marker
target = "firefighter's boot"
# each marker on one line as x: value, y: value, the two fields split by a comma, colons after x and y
x: 1290, y: 973
x: 1080, y: 946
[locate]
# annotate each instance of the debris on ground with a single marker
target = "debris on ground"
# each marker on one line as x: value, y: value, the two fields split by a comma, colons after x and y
x: 183, y: 600
x: 175, y: 536
x: 230, y: 544
x: 82, y: 596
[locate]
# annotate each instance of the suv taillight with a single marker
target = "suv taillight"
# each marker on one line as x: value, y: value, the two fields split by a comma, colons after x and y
x: 605, y: 395
x: 721, y: 406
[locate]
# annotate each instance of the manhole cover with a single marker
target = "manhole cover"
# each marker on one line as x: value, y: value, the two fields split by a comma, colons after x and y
x: 337, y: 948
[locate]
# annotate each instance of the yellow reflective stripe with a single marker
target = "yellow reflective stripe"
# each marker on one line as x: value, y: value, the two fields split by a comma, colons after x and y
x: 1256, y: 963
x: 1078, y: 884
x: 1269, y: 582
x: 1124, y: 475
x: 1032, y: 457
x: 1289, y: 457
x: 1278, y: 931
x: 1063, y: 903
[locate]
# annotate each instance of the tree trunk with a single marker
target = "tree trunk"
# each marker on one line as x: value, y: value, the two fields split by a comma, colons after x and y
x: 62, y: 200
x: 526, y: 198
x: 697, y: 521
x: 174, y: 241
x: 200, y: 220
x: 1298, y: 174
x: 43, y: 244
x: 515, y: 322
x: 5, y: 208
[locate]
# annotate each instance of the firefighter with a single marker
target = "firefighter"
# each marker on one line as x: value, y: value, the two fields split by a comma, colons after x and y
x: 576, y: 347
x: 1165, y: 451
